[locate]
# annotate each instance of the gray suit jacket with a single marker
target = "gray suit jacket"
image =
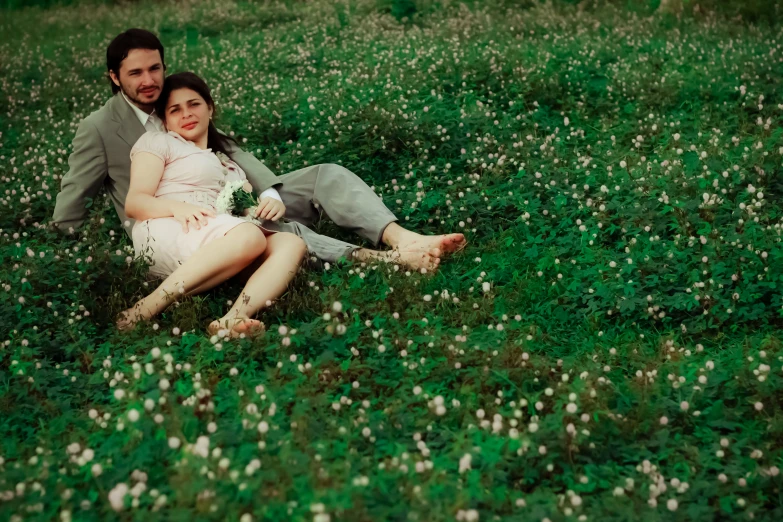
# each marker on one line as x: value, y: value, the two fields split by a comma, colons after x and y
x: 101, y: 157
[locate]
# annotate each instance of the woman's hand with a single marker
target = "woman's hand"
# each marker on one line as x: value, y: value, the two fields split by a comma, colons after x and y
x: 189, y: 214
x: 269, y: 208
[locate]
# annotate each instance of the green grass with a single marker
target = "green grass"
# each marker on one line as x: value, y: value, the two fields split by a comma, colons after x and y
x: 609, y: 164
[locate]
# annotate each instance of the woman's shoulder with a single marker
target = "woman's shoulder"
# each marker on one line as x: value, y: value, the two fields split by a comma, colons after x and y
x: 178, y: 143
x: 156, y: 142
x: 153, y: 137
x: 163, y: 136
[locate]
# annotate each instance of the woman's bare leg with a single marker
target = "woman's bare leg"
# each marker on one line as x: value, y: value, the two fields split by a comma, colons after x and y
x: 242, y: 275
x: 279, y: 264
x: 218, y: 261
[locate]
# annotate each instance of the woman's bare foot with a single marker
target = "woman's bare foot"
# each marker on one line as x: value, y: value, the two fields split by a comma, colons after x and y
x: 236, y: 327
x: 127, y: 319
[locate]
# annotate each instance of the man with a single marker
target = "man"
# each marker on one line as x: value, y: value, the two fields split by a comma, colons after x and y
x: 101, y: 158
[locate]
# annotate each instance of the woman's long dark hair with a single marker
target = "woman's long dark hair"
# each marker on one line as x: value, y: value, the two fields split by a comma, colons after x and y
x: 187, y: 80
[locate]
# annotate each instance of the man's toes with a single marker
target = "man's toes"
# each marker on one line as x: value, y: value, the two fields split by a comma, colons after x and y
x: 451, y: 242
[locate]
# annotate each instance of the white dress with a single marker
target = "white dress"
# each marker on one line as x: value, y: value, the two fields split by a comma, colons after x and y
x: 191, y: 175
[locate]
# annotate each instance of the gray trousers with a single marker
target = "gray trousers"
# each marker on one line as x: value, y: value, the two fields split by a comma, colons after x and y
x: 330, y: 189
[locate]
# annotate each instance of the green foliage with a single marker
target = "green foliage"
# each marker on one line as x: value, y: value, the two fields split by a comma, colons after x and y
x: 607, y: 344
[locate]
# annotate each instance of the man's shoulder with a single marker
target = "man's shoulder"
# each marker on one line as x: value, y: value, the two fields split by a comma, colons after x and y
x: 102, y: 116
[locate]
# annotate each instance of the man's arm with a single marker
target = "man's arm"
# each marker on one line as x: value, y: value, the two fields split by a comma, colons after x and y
x: 86, y: 174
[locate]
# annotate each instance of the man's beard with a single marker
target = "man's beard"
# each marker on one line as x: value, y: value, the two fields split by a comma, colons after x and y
x: 137, y: 101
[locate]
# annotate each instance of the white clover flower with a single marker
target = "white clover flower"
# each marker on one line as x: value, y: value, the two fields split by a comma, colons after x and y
x: 202, y: 446
x: 117, y: 496
x: 464, y: 462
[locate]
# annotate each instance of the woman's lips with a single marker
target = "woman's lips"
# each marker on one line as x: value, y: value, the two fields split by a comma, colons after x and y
x: 189, y: 125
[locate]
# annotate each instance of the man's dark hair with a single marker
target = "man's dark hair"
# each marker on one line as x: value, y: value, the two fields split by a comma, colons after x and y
x: 123, y: 44
x: 187, y: 80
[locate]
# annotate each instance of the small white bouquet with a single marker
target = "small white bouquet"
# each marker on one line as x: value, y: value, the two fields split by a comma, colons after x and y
x: 234, y: 199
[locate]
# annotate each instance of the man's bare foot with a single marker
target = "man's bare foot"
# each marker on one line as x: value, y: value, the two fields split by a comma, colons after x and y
x: 414, y: 259
x: 443, y: 244
x: 400, y: 238
x: 236, y: 327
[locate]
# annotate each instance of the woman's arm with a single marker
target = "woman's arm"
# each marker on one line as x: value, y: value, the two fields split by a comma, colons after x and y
x: 141, y: 203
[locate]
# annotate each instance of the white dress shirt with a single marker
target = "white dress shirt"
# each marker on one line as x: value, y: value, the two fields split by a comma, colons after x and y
x: 152, y: 123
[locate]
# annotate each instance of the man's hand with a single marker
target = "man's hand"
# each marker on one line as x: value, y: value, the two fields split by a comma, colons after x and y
x: 269, y: 208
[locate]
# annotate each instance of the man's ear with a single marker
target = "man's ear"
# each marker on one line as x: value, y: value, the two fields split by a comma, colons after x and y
x: 114, y: 78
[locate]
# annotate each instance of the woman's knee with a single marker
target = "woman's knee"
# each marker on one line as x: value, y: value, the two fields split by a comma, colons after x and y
x: 251, y: 240
x: 292, y: 243
x: 299, y: 246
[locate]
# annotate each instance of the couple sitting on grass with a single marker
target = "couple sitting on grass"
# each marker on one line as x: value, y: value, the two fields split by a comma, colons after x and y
x: 164, y: 163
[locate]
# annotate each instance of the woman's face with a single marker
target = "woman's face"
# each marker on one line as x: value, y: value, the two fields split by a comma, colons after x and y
x: 187, y: 114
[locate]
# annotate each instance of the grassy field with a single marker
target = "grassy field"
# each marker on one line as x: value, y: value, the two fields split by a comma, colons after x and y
x: 608, y: 346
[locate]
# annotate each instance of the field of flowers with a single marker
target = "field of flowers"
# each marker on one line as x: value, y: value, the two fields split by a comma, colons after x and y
x: 608, y: 346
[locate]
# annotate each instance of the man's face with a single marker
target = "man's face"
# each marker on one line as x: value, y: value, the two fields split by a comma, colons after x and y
x: 140, y: 76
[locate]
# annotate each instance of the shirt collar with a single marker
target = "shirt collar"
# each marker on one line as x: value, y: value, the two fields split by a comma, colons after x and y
x: 140, y: 114
x: 180, y: 138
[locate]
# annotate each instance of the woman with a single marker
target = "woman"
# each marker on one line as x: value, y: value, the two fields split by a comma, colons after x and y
x: 176, y: 177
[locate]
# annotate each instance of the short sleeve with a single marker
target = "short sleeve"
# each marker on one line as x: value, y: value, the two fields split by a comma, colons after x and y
x: 156, y: 143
